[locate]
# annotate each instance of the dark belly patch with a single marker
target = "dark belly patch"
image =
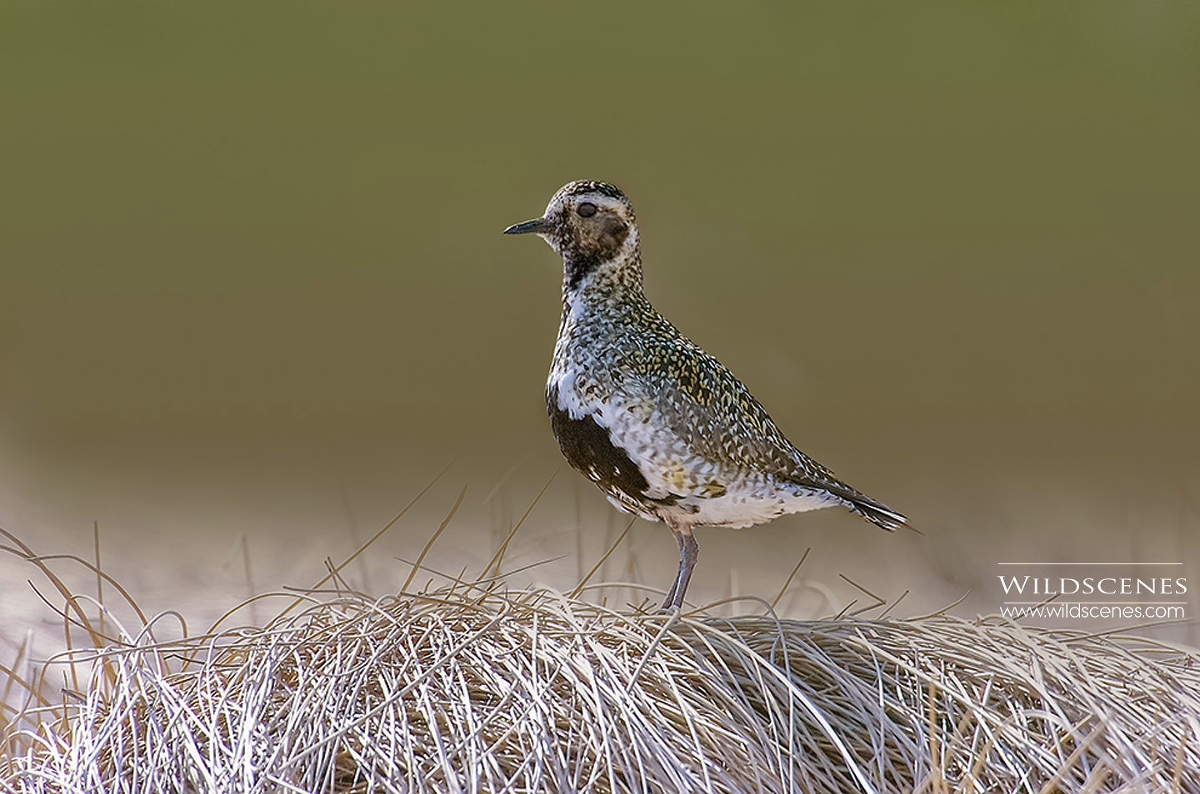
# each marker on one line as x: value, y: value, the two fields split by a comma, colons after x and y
x: 589, y: 449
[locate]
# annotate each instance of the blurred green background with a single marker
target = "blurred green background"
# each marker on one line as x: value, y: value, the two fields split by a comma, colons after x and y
x: 252, y: 282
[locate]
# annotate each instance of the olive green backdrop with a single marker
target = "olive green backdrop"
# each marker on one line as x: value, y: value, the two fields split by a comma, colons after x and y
x: 250, y: 251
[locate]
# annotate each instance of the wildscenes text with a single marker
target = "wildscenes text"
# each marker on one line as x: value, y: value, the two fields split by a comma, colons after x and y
x: 1094, y: 612
x: 1089, y: 585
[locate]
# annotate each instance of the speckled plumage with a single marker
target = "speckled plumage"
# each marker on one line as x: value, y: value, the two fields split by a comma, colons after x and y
x: 659, y: 425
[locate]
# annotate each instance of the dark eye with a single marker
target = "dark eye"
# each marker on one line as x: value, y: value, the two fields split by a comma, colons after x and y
x: 586, y: 210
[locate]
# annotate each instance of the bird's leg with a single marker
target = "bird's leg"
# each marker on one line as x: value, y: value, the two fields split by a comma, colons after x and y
x: 689, y: 550
x: 670, y: 600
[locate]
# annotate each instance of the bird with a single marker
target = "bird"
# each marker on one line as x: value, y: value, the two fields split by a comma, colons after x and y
x: 662, y: 427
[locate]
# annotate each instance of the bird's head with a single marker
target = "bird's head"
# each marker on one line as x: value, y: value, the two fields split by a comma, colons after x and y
x: 592, y: 226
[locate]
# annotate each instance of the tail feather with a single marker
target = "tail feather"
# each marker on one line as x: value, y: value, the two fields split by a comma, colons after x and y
x: 876, y: 512
x: 810, y: 474
x: 880, y: 514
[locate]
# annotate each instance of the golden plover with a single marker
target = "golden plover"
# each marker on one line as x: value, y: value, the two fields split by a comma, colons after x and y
x: 659, y: 425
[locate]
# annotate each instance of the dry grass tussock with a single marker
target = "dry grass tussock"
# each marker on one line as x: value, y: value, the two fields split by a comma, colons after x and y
x: 471, y: 687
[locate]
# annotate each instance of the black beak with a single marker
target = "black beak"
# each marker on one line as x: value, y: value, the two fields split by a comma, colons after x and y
x: 536, y: 226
